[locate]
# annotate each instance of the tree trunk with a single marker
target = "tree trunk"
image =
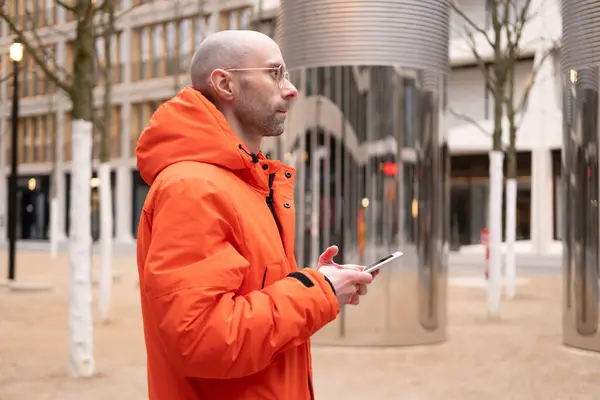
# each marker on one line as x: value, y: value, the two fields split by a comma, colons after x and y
x: 80, y: 307
x: 54, y: 208
x: 106, y: 204
x: 496, y: 181
x: 511, y: 181
x: 511, y: 208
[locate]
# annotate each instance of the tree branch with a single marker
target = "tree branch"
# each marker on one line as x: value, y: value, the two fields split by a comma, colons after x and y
x: 7, y: 76
x: 470, y: 22
x: 466, y: 118
x: 31, y: 50
x: 101, y: 33
x: 482, y: 65
x: 520, y: 109
x: 44, y: 49
x: 65, y: 6
x: 514, y: 31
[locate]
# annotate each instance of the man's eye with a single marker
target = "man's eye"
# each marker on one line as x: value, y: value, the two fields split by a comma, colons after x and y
x: 275, y: 73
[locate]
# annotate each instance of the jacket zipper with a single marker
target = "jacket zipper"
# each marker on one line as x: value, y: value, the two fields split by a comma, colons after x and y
x: 270, y: 201
x: 270, y: 204
x: 262, y: 286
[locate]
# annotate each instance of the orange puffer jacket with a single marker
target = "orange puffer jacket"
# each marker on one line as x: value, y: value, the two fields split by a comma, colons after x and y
x: 227, y: 314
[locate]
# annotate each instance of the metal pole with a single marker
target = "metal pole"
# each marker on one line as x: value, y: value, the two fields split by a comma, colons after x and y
x: 12, y: 183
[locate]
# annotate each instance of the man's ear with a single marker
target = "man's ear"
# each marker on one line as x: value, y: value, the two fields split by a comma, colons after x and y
x: 222, y: 84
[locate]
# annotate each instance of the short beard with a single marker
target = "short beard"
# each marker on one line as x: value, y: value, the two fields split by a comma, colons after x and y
x: 253, y: 119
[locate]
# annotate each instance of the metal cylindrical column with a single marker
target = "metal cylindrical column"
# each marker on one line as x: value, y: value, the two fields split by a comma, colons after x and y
x: 580, y: 63
x: 371, y: 76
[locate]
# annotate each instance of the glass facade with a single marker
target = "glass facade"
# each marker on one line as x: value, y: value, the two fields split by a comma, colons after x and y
x: 33, y: 207
x: 373, y: 177
x: 469, y: 198
x: 95, y: 203
x: 140, y: 191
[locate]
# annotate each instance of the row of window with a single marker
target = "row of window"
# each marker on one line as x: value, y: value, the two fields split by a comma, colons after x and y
x: 37, y: 133
x: 35, y: 14
x: 140, y: 116
x: 159, y: 50
x: 165, y: 49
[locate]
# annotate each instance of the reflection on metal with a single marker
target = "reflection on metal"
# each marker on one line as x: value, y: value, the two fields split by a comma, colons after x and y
x: 580, y: 180
x: 581, y: 29
x: 374, y: 179
x: 407, y: 33
x: 373, y: 161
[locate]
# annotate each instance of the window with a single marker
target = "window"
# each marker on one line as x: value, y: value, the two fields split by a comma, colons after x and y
x: 144, y: 52
x: 168, y: 45
x: 114, y: 134
x: 185, y: 43
x: 157, y: 51
x: 171, y: 50
x: 236, y: 19
x: 36, y: 134
x: 199, y: 30
x: 140, y: 116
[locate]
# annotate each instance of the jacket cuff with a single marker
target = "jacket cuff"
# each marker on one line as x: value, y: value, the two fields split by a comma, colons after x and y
x: 310, y: 277
x: 306, y: 281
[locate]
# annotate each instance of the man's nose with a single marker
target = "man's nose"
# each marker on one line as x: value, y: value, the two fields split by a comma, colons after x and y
x: 289, y: 91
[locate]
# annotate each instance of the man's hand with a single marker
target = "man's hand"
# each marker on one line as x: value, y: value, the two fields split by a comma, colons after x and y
x: 326, y: 260
x: 348, y: 283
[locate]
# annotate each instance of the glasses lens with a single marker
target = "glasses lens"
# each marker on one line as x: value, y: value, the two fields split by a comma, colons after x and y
x: 283, y: 77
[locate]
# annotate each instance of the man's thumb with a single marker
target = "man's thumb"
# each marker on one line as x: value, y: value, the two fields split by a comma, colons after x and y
x: 328, y: 254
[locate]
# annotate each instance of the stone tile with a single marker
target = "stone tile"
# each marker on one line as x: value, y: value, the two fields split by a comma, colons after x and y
x: 517, y: 356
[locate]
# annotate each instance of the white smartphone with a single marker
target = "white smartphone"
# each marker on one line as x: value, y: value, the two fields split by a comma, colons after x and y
x: 383, y: 261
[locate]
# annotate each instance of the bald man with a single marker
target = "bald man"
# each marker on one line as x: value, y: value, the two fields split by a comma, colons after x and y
x: 227, y: 312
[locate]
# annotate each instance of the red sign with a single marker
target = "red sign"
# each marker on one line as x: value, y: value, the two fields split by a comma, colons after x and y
x: 390, y: 168
x: 484, y: 235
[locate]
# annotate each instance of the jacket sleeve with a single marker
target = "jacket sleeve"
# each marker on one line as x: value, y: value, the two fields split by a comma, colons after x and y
x: 191, y: 275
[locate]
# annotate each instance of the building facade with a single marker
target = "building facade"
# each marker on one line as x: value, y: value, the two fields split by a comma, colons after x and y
x: 539, y: 139
x: 151, y: 52
x: 153, y: 45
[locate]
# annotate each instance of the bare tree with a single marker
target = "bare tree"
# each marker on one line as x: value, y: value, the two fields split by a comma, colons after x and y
x: 77, y: 86
x: 508, y: 20
x: 515, y: 109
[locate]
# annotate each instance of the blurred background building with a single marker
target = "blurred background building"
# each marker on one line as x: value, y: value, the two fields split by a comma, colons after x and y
x: 155, y: 42
x: 154, y: 46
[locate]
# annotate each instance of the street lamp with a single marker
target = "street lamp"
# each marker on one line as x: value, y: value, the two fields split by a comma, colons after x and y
x: 16, y: 55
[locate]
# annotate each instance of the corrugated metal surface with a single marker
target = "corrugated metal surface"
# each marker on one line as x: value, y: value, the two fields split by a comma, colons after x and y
x: 408, y: 33
x: 581, y: 34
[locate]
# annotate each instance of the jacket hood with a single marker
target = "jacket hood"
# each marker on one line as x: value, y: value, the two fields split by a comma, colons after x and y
x: 188, y: 127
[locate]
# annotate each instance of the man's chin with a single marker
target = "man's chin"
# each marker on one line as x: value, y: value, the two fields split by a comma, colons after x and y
x: 273, y: 133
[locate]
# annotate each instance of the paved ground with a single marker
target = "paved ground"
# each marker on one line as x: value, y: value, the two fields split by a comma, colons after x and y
x: 519, y: 356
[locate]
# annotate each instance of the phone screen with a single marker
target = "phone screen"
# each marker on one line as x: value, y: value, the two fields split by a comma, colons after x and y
x: 380, y: 261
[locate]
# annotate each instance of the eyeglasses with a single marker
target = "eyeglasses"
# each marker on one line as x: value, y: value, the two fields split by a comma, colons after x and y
x: 278, y: 73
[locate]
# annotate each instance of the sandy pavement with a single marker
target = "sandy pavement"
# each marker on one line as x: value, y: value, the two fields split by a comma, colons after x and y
x: 519, y: 356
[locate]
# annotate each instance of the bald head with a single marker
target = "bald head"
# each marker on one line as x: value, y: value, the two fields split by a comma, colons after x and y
x: 225, y: 49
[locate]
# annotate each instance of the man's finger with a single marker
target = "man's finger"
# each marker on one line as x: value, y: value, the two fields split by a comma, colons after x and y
x: 362, y: 290
x: 328, y: 254
x: 353, y: 267
x: 360, y: 277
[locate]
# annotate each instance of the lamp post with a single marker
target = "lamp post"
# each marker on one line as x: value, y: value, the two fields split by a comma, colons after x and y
x: 16, y: 55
